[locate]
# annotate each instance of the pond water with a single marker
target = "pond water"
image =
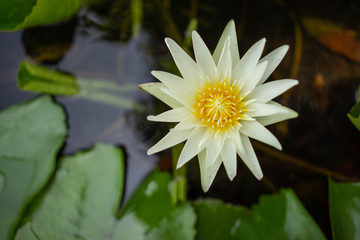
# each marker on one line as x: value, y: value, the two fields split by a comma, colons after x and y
x: 89, y: 58
x: 97, y: 44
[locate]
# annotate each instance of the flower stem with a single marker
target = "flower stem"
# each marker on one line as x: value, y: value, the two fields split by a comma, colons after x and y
x: 301, y: 163
x: 179, y: 176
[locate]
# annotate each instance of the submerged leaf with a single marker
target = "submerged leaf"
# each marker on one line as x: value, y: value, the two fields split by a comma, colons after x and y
x: 333, y: 37
x: 20, y: 14
x: 35, y: 78
x: 344, y: 201
x: 31, y: 134
x: 320, y: 92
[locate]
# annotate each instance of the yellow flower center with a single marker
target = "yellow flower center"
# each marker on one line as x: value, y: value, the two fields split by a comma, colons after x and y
x: 219, y: 105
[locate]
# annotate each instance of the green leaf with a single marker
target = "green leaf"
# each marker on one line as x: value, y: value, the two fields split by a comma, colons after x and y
x: 129, y: 227
x: 31, y: 134
x: 279, y: 216
x: 179, y: 225
x: 152, y: 200
x: 354, y: 115
x: 82, y: 201
x: 20, y: 14
x: 344, y: 201
x: 35, y: 78
x: 218, y: 220
x: 152, y: 204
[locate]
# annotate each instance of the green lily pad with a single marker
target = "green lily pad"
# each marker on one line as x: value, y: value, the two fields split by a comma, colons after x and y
x: 31, y: 135
x: 20, y: 14
x: 344, y: 201
x: 218, y: 220
x: 154, y: 191
x: 82, y: 201
x: 178, y: 226
x: 152, y: 204
x: 278, y: 216
x: 32, y: 77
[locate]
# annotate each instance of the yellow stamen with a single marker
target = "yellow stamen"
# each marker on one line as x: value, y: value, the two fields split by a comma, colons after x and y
x: 220, y: 104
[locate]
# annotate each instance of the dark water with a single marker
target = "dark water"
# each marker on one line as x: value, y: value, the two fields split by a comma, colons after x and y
x: 97, y: 44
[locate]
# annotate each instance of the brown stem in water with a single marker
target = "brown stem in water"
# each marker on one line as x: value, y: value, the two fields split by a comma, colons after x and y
x: 301, y: 163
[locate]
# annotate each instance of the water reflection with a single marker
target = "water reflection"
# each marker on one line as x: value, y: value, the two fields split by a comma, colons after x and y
x: 91, y: 122
x: 11, y: 54
x: 49, y: 44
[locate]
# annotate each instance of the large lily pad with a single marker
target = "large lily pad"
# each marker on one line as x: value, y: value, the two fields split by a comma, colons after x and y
x: 31, y: 134
x: 82, y: 202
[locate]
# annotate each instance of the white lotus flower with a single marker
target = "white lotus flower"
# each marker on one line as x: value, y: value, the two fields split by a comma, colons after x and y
x: 219, y: 102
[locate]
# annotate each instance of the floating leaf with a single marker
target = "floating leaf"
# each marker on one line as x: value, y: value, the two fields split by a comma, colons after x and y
x: 152, y: 203
x: 35, y: 78
x: 31, y: 134
x: 81, y: 203
x: 155, y: 191
x: 218, y: 220
x: 20, y: 14
x: 179, y: 225
x: 279, y: 216
x: 333, y: 37
x: 344, y: 201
